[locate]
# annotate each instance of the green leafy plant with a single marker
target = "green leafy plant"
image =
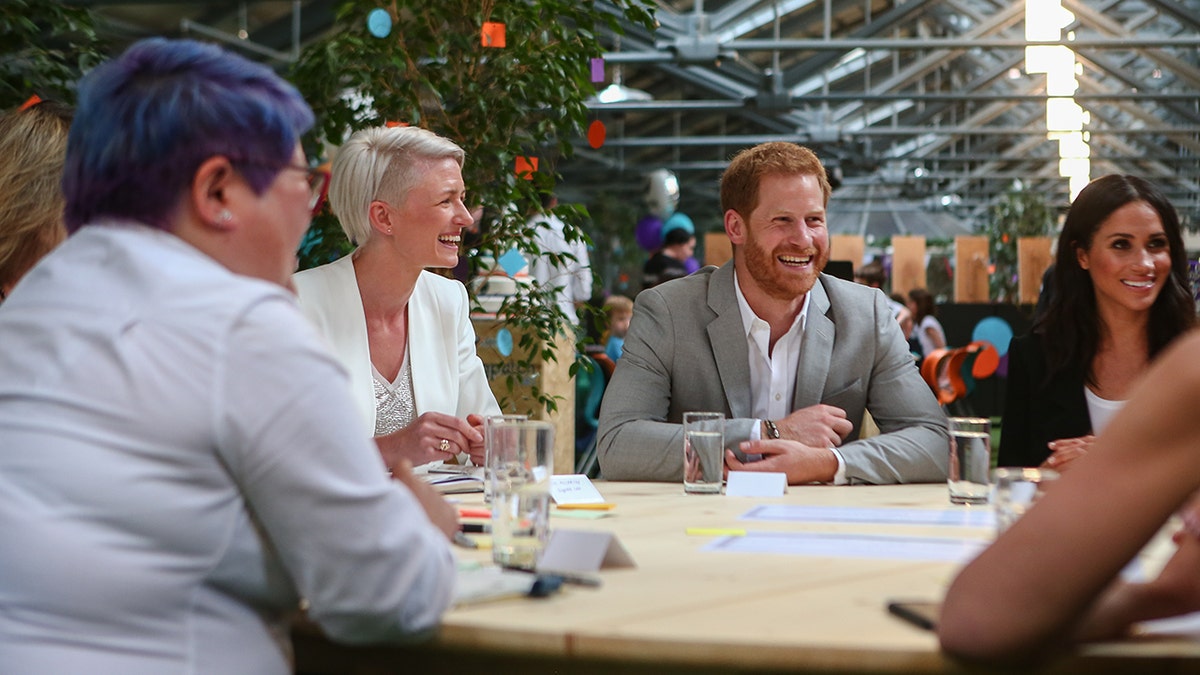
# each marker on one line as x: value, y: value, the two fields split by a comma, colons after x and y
x: 1018, y: 213
x: 526, y: 99
x: 44, y: 48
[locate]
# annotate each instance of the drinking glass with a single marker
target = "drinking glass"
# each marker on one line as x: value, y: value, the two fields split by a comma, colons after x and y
x: 1016, y: 489
x: 970, y: 459
x: 703, y: 452
x: 521, y: 463
x: 487, y: 448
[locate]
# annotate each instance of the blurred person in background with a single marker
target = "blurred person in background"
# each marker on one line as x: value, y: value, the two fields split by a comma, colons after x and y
x: 33, y: 142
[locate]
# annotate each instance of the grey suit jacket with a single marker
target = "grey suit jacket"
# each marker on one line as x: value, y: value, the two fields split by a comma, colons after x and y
x: 686, y: 350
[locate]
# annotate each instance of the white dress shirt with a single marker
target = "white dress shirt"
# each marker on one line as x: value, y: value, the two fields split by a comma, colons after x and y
x: 572, y: 280
x: 773, y: 371
x: 180, y: 463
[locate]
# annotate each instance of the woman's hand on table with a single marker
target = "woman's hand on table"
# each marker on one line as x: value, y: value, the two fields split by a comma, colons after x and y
x: 431, y: 437
x: 443, y: 516
x: 476, y: 448
x: 1066, y: 450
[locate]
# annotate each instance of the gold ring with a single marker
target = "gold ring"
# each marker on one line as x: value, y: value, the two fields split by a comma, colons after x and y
x: 444, y: 446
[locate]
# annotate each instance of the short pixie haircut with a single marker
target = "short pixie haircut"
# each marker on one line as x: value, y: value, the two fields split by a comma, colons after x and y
x: 33, y: 142
x: 147, y: 120
x: 740, y: 182
x: 380, y: 163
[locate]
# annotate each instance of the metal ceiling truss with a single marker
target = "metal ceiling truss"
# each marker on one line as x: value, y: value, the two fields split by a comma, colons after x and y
x: 914, y: 100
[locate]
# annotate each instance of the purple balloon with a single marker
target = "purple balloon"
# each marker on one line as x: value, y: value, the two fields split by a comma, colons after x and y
x: 649, y: 232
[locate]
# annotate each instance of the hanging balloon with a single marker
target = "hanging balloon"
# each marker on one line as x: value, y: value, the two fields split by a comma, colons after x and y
x: 596, y: 134
x: 662, y: 193
x: 649, y: 232
x: 678, y: 220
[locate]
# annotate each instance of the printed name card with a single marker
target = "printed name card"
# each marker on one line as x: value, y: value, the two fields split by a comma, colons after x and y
x: 574, y: 488
x: 579, y: 552
x: 756, y: 484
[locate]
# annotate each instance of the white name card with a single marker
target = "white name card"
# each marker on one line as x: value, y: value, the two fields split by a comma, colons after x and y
x: 580, y: 552
x: 755, y: 484
x: 574, y: 488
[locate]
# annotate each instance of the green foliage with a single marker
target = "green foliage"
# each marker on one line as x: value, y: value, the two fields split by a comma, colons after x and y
x: 524, y: 100
x: 1018, y: 213
x: 44, y: 48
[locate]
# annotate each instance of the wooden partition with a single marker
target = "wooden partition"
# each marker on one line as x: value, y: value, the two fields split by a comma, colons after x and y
x: 498, y: 347
x: 908, y: 263
x: 717, y: 248
x: 971, y: 269
x: 848, y: 247
x: 1033, y: 257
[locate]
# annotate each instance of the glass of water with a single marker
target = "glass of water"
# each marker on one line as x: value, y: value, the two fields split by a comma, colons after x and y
x: 488, y: 423
x: 521, y: 464
x: 970, y: 459
x: 703, y: 452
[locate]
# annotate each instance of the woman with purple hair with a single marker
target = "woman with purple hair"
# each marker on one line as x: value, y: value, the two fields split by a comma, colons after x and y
x: 182, y: 464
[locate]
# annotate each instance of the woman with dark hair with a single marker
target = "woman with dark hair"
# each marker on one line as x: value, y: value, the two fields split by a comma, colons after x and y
x: 926, y: 328
x: 1120, y: 296
x: 183, y: 468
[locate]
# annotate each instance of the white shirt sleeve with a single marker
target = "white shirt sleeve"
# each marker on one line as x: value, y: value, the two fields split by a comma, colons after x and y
x: 358, y: 546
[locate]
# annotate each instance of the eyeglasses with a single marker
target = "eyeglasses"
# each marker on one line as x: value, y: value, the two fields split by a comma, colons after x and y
x: 318, y: 180
x: 318, y: 185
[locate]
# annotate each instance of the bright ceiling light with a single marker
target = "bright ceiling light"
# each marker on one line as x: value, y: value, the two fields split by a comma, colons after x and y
x: 1065, y: 119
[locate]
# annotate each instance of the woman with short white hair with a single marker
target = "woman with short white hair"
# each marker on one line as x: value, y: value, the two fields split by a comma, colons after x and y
x: 404, y: 333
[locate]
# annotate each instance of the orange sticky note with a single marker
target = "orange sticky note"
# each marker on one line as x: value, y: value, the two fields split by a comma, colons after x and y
x: 492, y: 34
x: 31, y: 101
x: 526, y: 167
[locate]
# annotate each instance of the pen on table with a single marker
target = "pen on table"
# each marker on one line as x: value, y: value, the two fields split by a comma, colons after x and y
x: 567, y: 577
x: 475, y: 528
x: 464, y: 541
x: 715, y: 532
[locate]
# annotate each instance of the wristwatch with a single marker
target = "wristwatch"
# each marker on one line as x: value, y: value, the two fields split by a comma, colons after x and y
x: 772, y: 430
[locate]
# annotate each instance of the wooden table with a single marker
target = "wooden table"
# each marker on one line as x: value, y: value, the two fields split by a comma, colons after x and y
x: 684, y: 609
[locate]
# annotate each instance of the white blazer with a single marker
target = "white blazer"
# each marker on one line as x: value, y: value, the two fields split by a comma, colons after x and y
x: 447, y: 375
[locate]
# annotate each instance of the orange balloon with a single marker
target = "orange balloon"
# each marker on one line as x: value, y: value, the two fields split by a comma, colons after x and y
x: 596, y: 134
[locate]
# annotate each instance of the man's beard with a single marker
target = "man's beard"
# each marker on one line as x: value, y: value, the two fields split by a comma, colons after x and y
x: 774, y: 282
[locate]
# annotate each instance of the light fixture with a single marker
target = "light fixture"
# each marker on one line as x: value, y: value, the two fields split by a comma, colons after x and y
x: 617, y: 92
x: 1065, y: 119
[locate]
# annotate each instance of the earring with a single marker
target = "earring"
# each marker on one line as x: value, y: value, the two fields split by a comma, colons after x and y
x: 225, y: 216
x: 389, y: 230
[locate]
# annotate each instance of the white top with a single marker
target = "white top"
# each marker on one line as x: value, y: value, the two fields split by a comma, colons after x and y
x: 572, y: 279
x: 1100, y: 410
x: 447, y: 375
x: 927, y: 344
x: 181, y: 463
x: 773, y: 371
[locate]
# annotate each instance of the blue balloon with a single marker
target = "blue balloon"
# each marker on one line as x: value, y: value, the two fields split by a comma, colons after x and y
x: 675, y: 221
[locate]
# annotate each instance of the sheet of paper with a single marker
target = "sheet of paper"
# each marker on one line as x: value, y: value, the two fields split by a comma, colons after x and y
x: 574, y: 488
x: 755, y: 484
x: 835, y: 545
x: 798, y: 513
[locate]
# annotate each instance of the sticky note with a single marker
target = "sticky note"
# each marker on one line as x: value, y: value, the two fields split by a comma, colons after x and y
x: 755, y: 484
x: 596, y: 134
x: 574, y: 488
x: 379, y: 23
x: 526, y: 167
x: 492, y: 34
x: 597, y: 69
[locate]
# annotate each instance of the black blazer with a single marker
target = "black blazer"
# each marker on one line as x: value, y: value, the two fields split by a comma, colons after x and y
x: 1037, y: 412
